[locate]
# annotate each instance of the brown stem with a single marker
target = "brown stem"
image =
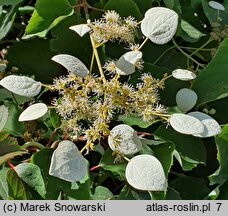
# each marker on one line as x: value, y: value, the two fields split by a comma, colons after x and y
x: 65, y: 134
x: 51, y: 137
x: 144, y: 133
x: 10, y: 164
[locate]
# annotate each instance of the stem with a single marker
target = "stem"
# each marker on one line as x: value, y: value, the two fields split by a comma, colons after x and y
x: 85, y: 7
x: 194, y: 48
x: 62, y: 195
x: 96, y: 9
x: 85, y: 147
x: 143, y: 43
x: 95, y: 167
x: 144, y: 133
x: 188, y: 63
x: 160, y: 114
x: 84, y: 4
x: 51, y: 137
x: 116, y: 77
x: 124, y: 157
x: 151, y: 195
x: 98, y: 45
x: 97, y: 58
x: 47, y: 86
x: 33, y: 144
x: 15, y: 99
x: 10, y: 164
x: 199, y: 49
x: 186, y: 54
x: 65, y: 136
x: 168, y: 77
x: 91, y: 65
x: 55, y: 144
x: 163, y: 54
x: 8, y: 41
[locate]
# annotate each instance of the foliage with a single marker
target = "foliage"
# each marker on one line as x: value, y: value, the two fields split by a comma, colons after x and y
x: 113, y: 99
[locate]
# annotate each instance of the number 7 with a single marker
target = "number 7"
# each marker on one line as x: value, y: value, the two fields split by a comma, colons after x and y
x: 219, y: 205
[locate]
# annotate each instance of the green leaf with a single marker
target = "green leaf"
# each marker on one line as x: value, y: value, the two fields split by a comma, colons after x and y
x: 190, y: 188
x: 31, y: 175
x: 17, y: 190
x: 55, y: 118
x: 129, y: 193
x: 191, y: 30
x: 37, y: 24
x: 10, y: 2
x: 102, y: 193
x: 221, y: 114
x: 9, y: 148
x: 221, y: 175
x: 164, y: 153
x: 46, y: 12
x: 169, y: 3
x: 134, y: 119
x: 191, y: 149
x: 7, y: 16
x: 144, y: 5
x: 124, y: 8
x: 172, y: 194
x: 173, y: 4
x: 3, y: 182
x: 107, y: 163
x: 212, y: 83
x: 73, y: 2
x: 6, y: 22
x: 192, y: 13
x: 29, y: 61
x: 13, y: 126
x: 3, y: 136
x: 223, y: 191
x: 7, y: 95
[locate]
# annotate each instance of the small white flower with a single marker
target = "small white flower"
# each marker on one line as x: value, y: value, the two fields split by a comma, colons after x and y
x: 111, y: 16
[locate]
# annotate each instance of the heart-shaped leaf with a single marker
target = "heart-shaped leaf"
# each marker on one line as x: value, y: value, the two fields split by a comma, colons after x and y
x: 124, y: 139
x: 211, y: 127
x: 160, y: 24
x: 126, y: 63
x: 186, y: 99
x: 33, y: 112
x: 21, y: 85
x: 81, y: 29
x: 67, y: 163
x: 31, y: 175
x: 216, y: 5
x: 186, y: 124
x: 3, y: 116
x: 72, y: 64
x: 145, y: 172
x: 183, y: 74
